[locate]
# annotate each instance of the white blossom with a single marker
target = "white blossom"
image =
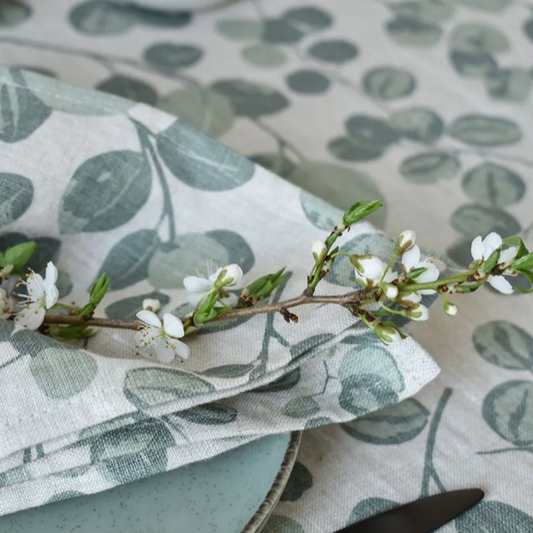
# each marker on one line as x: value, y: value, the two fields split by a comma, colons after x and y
x: 410, y: 298
x: 418, y: 313
x: 151, y: 304
x: 6, y: 305
x: 482, y: 249
x: 411, y: 261
x: 42, y: 294
x: 161, y: 337
x: 370, y: 269
x: 199, y: 286
x: 405, y: 241
x: 391, y: 292
x: 451, y: 309
x: 319, y: 247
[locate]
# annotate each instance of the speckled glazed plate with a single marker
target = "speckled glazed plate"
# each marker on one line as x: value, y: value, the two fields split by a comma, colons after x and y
x: 232, y: 493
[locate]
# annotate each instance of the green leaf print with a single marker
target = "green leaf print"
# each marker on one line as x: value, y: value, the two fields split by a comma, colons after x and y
x: 172, y: 57
x: 493, y: 185
x: 308, y: 81
x: 333, y: 51
x: 487, y: 5
x: 308, y: 19
x: 508, y: 410
x: 478, y: 38
x: 98, y: 17
x: 494, y: 517
x: 132, y: 452
x: 61, y: 372
x: 201, y: 162
x: 280, y: 31
x: 482, y: 130
x: 277, y: 163
x: 264, y: 55
x: 388, y: 83
x: 21, y: 112
x: 240, y: 29
x: 424, y: 11
x: 172, y: 262
x: 509, y: 84
x: 430, y: 167
x: 370, y: 507
x: 105, y: 192
x: 13, y: 13
x: 239, y: 251
x: 413, y: 32
x: 209, y: 414
x: 228, y: 371
x: 418, y: 124
x: 339, y: 186
x: 472, y: 220
x: 130, y: 88
x: 250, y: 99
x: 128, y: 261
x: 286, y: 382
x: 16, y: 195
x: 300, y: 481
x: 505, y: 345
x: 303, y: 407
x: 203, y: 108
x: 146, y: 387
x: 395, y: 424
x: 320, y: 213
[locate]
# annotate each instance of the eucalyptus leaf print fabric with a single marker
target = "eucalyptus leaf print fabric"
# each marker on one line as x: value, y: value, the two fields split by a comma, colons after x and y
x: 148, y: 205
x: 426, y: 104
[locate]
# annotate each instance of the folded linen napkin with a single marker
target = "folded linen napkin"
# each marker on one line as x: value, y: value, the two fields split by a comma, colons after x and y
x: 106, y: 185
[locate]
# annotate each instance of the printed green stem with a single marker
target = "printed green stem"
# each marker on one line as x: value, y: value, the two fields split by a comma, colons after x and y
x: 429, y: 467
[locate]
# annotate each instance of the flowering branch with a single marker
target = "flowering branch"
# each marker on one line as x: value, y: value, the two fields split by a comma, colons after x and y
x: 383, y: 291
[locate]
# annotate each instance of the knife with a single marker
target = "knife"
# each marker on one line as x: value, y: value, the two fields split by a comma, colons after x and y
x: 421, y: 516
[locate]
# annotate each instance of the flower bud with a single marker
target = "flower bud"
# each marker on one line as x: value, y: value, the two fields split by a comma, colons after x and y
x: 450, y: 308
x: 150, y: 304
x: 408, y: 299
x: 390, y: 291
x: 405, y: 241
x: 228, y: 276
x: 418, y: 313
x: 368, y: 266
x: 387, y: 334
x: 319, y: 249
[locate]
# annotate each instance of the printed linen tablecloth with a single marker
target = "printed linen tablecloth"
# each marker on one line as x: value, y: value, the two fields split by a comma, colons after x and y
x: 426, y: 104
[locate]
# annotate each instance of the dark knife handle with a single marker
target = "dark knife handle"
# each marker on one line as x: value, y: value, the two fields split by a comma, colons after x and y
x: 421, y: 516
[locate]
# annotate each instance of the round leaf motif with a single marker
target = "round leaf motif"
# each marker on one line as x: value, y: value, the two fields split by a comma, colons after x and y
x: 508, y: 410
x: 129, y: 88
x: 338, y: 186
x: 173, y: 261
x: 419, y: 124
x: 308, y: 82
x: 169, y: 56
x: 509, y: 84
x: 145, y: 387
x: 395, y: 424
x: 495, y: 517
x: 473, y: 64
x: 505, y: 345
x: 62, y: 373
x: 478, y: 38
x: 349, y: 149
x: 203, y: 108
x: 308, y: 18
x: 237, y: 248
x: 240, y: 29
x: 487, y: 5
x: 370, y: 507
x: 210, y: 414
x: 492, y: 184
x: 16, y: 195
x: 369, y: 130
x: 333, y: 51
x: 388, y: 83
x: 12, y: 13
x: 264, y: 55
x: 413, y: 32
x: 473, y: 220
x: 279, y: 524
x: 127, y: 308
x: 200, y: 161
x: 280, y: 31
x: 98, y: 17
x: 105, y: 192
x: 321, y: 214
x: 424, y: 11
x: 299, y: 481
x: 303, y: 407
x: 483, y: 130
x: 429, y: 167
x: 251, y: 99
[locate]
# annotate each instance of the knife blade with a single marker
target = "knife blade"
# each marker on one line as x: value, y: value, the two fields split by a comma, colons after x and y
x: 421, y: 516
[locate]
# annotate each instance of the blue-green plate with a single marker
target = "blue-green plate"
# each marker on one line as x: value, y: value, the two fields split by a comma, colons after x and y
x: 232, y: 493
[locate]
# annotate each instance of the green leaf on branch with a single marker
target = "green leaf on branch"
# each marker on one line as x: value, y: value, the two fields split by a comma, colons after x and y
x: 18, y: 255
x: 262, y: 288
x: 515, y: 240
x: 97, y: 293
x: 529, y: 276
x: 492, y: 261
x: 71, y: 332
x: 412, y: 274
x: 524, y: 263
x: 360, y: 210
x: 207, y: 309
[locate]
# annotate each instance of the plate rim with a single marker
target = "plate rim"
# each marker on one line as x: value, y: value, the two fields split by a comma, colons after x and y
x: 274, y: 494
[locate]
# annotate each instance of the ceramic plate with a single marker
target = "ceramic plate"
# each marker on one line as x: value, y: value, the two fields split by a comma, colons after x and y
x: 232, y: 493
